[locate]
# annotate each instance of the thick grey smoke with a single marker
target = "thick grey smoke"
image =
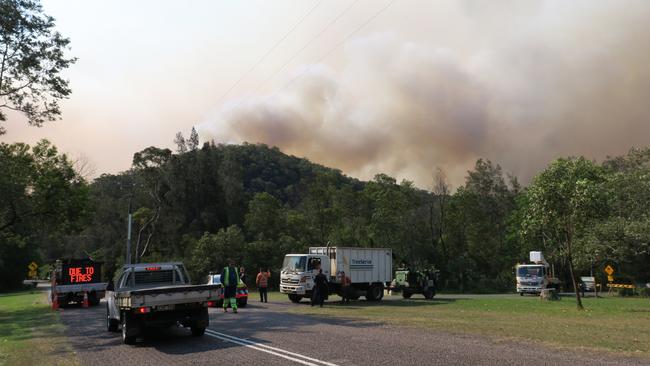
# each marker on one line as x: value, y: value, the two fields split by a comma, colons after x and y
x: 564, y: 78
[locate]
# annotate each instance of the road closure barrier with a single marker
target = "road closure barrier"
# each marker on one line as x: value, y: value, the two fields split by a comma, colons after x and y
x: 619, y: 285
x: 85, y: 302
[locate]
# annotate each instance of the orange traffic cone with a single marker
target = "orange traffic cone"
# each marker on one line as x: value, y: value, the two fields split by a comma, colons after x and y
x: 55, y: 301
x: 85, y: 302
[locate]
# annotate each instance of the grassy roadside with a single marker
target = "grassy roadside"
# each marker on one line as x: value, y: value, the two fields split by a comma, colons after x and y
x: 30, y: 333
x: 618, y: 325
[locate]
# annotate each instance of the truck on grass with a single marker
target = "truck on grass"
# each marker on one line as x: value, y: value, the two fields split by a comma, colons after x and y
x: 369, y: 269
x: 410, y: 282
x: 535, y: 275
x: 72, y: 280
x: 157, y: 296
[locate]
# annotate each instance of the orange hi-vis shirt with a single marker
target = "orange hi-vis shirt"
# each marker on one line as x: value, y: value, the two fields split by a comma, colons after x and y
x: 262, y: 279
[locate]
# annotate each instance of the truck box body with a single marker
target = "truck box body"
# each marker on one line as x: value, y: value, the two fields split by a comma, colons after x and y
x: 537, y: 257
x: 362, y: 265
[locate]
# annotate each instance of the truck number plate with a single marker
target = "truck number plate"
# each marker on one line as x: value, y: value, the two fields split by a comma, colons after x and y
x: 164, y: 307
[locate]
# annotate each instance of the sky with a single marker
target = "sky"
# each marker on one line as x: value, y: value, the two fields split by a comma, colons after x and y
x: 366, y: 86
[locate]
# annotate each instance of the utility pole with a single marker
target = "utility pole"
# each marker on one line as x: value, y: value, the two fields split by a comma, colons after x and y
x: 128, y: 236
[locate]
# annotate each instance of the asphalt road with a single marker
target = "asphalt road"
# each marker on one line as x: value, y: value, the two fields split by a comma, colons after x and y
x: 265, y: 334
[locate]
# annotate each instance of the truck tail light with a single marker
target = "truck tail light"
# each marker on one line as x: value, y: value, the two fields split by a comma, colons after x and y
x: 143, y: 310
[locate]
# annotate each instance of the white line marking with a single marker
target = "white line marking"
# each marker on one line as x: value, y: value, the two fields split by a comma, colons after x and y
x: 268, y: 349
x: 273, y: 348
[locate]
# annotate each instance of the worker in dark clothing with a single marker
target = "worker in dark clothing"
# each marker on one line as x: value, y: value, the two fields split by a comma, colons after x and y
x: 230, y: 280
x: 320, y: 289
x: 242, y: 274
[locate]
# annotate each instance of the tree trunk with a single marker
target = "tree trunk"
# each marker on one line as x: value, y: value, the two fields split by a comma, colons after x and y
x: 432, y: 227
x: 573, y: 277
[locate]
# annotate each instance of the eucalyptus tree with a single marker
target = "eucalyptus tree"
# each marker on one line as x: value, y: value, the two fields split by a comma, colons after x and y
x: 561, y: 202
x: 32, y: 58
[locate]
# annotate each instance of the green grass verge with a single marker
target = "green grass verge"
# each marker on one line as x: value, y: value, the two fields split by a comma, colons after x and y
x: 619, y: 325
x: 30, y: 333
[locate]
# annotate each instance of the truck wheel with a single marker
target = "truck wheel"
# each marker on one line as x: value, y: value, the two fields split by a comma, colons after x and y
x: 406, y: 294
x: 375, y: 293
x: 197, y: 331
x: 295, y: 298
x: 111, y: 324
x: 521, y: 294
x: 428, y: 294
x: 126, y: 326
x: 242, y: 303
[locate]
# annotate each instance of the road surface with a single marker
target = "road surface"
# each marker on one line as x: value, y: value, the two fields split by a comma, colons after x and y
x: 265, y: 334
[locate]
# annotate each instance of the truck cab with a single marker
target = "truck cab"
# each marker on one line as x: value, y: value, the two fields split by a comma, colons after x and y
x: 298, y: 273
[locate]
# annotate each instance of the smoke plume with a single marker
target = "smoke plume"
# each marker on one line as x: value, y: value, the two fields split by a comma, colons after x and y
x: 559, y: 79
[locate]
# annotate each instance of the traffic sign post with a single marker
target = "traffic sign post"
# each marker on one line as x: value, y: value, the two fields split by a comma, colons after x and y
x: 32, y: 274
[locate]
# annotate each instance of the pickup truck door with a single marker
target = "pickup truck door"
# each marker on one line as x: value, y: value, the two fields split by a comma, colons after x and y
x: 121, y: 283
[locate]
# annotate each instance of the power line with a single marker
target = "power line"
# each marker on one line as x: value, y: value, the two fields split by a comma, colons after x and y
x: 331, y: 50
x: 293, y: 57
x: 269, y: 51
x: 328, y: 53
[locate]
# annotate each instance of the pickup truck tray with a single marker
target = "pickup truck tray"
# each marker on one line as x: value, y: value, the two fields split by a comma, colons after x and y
x: 167, y: 295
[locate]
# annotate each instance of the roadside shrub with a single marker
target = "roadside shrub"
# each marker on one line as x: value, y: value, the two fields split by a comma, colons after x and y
x: 644, y: 292
x: 625, y: 292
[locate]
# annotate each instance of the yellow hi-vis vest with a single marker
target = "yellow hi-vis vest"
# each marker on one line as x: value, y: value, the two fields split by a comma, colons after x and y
x: 226, y: 274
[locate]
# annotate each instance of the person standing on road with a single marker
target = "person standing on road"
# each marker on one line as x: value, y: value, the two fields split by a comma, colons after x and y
x: 320, y: 289
x: 346, y: 288
x: 230, y: 280
x: 262, y: 282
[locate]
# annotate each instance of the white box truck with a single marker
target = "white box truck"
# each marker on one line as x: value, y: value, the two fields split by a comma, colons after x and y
x: 370, y: 271
x: 536, y: 275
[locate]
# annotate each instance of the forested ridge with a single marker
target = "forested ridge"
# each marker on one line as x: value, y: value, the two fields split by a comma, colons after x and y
x: 253, y: 203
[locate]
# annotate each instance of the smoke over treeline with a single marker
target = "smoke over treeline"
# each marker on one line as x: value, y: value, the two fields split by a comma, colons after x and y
x: 541, y: 81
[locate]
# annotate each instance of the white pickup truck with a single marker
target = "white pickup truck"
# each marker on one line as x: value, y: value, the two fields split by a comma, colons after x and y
x: 156, y: 295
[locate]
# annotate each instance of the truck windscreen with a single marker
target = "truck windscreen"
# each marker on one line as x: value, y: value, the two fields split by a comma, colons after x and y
x: 294, y: 263
x: 532, y: 271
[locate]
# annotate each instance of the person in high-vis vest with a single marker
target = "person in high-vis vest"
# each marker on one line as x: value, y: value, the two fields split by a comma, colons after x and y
x: 230, y: 280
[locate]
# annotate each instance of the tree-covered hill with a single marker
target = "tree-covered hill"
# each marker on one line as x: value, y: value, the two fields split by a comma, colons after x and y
x: 255, y: 204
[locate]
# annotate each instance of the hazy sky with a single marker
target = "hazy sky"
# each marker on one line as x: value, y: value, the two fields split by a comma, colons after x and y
x: 422, y: 84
